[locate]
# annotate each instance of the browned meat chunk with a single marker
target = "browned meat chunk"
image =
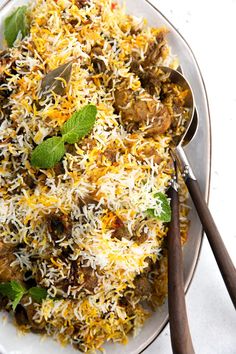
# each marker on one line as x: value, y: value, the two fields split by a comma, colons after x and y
x: 71, y: 149
x: 59, y: 169
x: 29, y: 181
x: 139, y: 239
x: 150, y: 264
x: 24, y: 316
x: 3, y: 302
x: 143, y: 288
x: 98, y: 64
x: 59, y: 226
x: 21, y: 316
x: 27, y: 178
x: 110, y: 155
x: 142, y: 111
x: 87, y: 144
x: 7, y: 272
x: 81, y: 3
x: 149, y: 151
x: 73, y: 273
x: 155, y: 50
x: 121, y: 230
x: 160, y: 123
x: 5, y: 57
x: 90, y: 279
x: 160, y: 282
x: 151, y: 81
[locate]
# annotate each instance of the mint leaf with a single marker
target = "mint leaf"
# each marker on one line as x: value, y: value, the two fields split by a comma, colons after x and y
x: 6, y: 290
x: 14, y: 291
x: 17, y: 299
x: 17, y: 287
x: 48, y: 153
x: 15, y: 23
x: 38, y: 293
x: 51, y: 151
x: 79, y: 125
x: 165, y: 214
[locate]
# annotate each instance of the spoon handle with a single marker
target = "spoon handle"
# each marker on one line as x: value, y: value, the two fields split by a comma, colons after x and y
x: 179, y: 329
x: 221, y: 254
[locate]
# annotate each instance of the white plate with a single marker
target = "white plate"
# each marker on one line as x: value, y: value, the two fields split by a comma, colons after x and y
x: 199, y: 153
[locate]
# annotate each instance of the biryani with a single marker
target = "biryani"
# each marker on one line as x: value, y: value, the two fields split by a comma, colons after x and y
x: 87, y: 118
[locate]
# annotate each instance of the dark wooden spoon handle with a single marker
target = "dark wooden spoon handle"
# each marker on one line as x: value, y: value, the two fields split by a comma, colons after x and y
x: 179, y: 329
x: 221, y: 254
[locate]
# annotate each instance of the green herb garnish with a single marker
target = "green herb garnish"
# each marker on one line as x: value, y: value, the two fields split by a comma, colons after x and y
x: 15, y: 291
x: 48, y: 153
x: 16, y: 23
x: 165, y: 214
x: 38, y: 293
x: 51, y: 151
x: 79, y: 125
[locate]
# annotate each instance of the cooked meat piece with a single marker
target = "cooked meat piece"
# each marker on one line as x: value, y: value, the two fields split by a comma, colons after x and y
x: 7, y: 272
x: 5, y: 57
x: 73, y: 273
x: 149, y: 151
x: 59, y: 169
x: 81, y: 3
x: 71, y: 149
x: 21, y: 316
x: 59, y: 226
x: 74, y: 22
x: 3, y: 302
x: 110, y: 155
x: 5, y: 248
x: 150, y: 80
x: 134, y: 109
x: 24, y: 316
x: 161, y: 123
x: 98, y: 64
x: 139, y: 239
x: 160, y: 282
x: 29, y: 181
x: 90, y: 278
x: 88, y: 144
x: 150, y: 264
x: 155, y: 50
x: 124, y: 302
x: 88, y: 199
x: 143, y: 288
x: 121, y: 230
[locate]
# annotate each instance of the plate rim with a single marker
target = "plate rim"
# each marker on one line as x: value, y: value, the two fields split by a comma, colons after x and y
x: 189, y: 279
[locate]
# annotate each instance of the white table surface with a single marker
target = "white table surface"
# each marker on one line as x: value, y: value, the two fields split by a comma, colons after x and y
x: 210, y: 29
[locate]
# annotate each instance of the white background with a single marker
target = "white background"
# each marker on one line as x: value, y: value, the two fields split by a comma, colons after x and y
x: 210, y: 29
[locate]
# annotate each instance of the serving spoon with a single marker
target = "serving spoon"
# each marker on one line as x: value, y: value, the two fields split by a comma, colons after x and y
x: 220, y: 252
x: 181, y: 340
